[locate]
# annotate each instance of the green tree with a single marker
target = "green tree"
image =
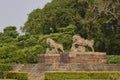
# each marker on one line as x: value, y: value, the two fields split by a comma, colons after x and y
x: 11, y: 31
x: 94, y: 19
x: 9, y: 35
x: 54, y: 15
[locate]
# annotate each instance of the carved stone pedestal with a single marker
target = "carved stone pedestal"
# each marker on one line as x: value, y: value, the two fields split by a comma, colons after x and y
x: 84, y: 57
x: 49, y: 58
x: 73, y: 57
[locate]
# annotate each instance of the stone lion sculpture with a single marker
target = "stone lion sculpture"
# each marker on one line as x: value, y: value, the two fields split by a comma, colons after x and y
x: 90, y: 43
x: 55, y: 47
x: 81, y: 44
x: 48, y: 51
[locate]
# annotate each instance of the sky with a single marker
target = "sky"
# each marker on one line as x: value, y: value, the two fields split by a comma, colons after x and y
x: 15, y: 12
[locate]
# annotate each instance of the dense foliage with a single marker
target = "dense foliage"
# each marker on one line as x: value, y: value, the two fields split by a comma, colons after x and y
x: 60, y: 20
x: 82, y: 75
x: 25, y: 48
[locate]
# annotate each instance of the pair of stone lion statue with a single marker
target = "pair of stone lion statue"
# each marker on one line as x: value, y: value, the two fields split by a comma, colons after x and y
x: 79, y: 45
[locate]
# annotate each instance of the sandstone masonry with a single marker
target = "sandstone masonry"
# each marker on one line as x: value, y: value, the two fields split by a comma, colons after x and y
x: 81, y: 58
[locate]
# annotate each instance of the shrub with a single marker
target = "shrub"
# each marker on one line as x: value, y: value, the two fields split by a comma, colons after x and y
x: 17, y: 75
x: 5, y: 67
x: 1, y: 74
x: 81, y: 75
x: 113, y: 59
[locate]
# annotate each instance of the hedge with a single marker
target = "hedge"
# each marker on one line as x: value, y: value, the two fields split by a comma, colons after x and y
x: 17, y: 75
x: 4, y: 68
x: 8, y: 79
x: 81, y: 75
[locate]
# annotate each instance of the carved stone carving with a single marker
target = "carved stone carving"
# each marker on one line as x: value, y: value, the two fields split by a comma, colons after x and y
x: 55, y: 47
x: 79, y: 44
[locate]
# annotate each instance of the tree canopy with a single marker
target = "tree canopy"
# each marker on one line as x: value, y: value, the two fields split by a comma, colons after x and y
x: 96, y: 19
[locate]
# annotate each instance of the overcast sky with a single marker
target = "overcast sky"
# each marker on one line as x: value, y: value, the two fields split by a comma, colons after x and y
x: 14, y: 12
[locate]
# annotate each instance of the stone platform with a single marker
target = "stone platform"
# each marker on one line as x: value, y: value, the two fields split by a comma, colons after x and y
x: 36, y: 71
x: 81, y: 58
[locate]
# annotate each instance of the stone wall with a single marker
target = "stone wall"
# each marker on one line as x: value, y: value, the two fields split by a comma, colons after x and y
x: 80, y: 67
x: 82, y: 58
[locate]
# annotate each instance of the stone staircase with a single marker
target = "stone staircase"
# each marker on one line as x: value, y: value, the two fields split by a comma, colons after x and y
x: 35, y: 73
x: 32, y: 70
